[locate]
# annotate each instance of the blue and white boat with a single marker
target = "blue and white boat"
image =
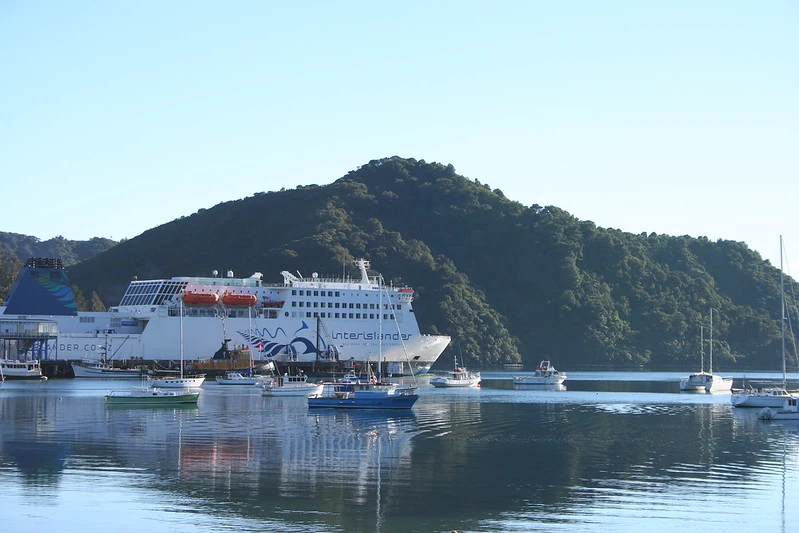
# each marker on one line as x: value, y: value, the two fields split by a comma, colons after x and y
x: 371, y: 394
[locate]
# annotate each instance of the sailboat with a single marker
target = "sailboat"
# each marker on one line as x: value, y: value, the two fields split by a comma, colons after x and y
x: 372, y: 393
x: 234, y: 377
x: 768, y: 396
x: 181, y: 381
x: 706, y: 381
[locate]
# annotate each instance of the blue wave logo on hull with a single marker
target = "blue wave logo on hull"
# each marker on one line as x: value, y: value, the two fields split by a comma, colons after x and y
x: 290, y: 345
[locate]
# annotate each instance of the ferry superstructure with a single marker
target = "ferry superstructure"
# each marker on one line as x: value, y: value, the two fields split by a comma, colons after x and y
x: 301, y: 321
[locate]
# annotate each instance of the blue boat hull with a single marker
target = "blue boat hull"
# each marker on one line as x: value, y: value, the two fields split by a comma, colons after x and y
x: 391, y: 402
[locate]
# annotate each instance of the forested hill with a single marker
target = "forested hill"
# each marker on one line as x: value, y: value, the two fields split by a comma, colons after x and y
x: 506, y: 281
x: 17, y: 247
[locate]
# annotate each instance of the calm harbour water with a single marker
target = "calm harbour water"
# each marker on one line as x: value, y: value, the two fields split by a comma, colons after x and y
x: 612, y: 452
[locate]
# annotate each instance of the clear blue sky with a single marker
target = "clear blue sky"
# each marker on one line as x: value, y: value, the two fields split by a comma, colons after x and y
x: 675, y: 117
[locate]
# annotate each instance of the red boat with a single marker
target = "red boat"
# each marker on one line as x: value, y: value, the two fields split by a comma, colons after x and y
x: 239, y: 299
x: 200, y: 298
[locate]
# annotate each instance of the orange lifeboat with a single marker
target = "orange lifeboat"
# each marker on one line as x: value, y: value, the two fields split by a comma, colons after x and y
x: 239, y: 299
x: 200, y: 298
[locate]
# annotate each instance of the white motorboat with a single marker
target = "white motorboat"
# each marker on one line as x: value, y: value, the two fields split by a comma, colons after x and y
x: 545, y: 374
x: 16, y: 369
x: 237, y: 378
x: 790, y: 411
x: 291, y: 385
x: 459, y: 377
x: 760, y: 397
x: 178, y: 382
x: 102, y: 370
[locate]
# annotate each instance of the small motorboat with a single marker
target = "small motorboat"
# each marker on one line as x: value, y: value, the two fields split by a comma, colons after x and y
x: 545, y: 374
x: 237, y: 378
x: 459, y: 377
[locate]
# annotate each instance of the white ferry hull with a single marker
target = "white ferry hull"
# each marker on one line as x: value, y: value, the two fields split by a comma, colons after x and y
x: 306, y: 322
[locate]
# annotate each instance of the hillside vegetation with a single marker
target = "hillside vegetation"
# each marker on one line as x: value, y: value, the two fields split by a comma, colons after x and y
x: 508, y: 282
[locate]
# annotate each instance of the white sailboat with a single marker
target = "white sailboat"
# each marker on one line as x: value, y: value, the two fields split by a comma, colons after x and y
x: 706, y: 381
x: 769, y: 396
x: 181, y: 381
x: 247, y: 378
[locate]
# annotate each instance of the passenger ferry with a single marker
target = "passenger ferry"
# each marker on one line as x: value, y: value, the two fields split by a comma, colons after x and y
x: 305, y: 322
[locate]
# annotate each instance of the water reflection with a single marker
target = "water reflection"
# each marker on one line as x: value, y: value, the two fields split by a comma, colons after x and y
x: 490, y: 459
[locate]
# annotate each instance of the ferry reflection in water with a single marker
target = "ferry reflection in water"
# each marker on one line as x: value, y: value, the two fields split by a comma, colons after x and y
x: 489, y: 459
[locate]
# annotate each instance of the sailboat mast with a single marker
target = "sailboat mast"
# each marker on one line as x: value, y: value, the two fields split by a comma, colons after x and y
x: 701, y: 348
x: 181, y: 339
x: 380, y: 327
x: 782, y: 318
x: 710, y: 364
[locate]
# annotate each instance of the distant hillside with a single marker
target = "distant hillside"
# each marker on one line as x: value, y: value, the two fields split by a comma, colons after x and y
x: 22, y: 247
x: 15, y: 249
x: 507, y: 281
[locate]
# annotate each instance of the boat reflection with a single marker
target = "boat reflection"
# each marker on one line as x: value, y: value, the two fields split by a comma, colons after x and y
x: 535, y: 387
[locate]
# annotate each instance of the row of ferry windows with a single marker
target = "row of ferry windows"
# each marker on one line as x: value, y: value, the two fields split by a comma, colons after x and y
x: 336, y: 305
x: 362, y: 316
x: 315, y: 293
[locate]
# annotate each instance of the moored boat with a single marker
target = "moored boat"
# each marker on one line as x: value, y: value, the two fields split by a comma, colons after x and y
x: 459, y: 377
x: 181, y: 381
x: 151, y: 396
x: 768, y: 396
x: 16, y: 369
x: 790, y: 411
x: 99, y: 369
x: 178, y: 382
x: 291, y: 385
x: 237, y: 378
x: 545, y: 374
x: 706, y: 381
x: 751, y: 396
x: 364, y: 395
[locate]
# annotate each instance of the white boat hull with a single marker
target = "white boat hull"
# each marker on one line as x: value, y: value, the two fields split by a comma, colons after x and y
x: 536, y: 380
x: 789, y: 411
x: 444, y: 382
x: 81, y: 370
x: 237, y: 379
x: 705, y: 382
x: 151, y: 396
x: 14, y: 369
x: 769, y: 397
x: 178, y: 382
x: 297, y: 390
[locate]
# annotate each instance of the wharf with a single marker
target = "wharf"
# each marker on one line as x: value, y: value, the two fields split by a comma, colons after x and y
x: 56, y: 369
